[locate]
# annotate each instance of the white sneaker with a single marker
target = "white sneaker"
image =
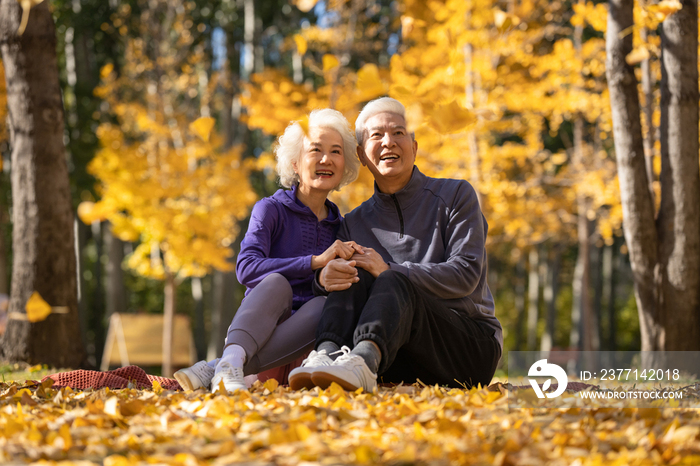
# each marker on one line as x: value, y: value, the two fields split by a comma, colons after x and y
x: 301, y: 376
x: 194, y: 377
x: 231, y: 376
x: 349, y: 371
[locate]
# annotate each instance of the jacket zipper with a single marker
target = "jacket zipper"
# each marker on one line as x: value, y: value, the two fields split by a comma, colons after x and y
x: 398, y: 209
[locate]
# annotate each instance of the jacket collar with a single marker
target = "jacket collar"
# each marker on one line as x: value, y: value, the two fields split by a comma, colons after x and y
x: 289, y: 199
x: 407, y: 195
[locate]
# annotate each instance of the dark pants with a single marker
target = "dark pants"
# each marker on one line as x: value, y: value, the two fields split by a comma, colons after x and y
x: 419, y: 337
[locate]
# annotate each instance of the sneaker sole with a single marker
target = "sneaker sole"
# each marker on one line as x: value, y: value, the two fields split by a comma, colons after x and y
x: 324, y: 380
x: 185, y: 382
x: 302, y: 380
x: 230, y: 392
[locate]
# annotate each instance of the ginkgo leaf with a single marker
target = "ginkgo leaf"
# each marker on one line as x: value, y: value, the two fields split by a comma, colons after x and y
x: 271, y: 385
x: 369, y: 83
x: 202, y: 127
x: 37, y: 309
x: 329, y: 62
x: 304, y: 123
x: 27, y: 5
x: 301, y: 44
x: 88, y: 212
x: 407, y: 24
x: 638, y: 55
x: 502, y: 19
x: 106, y: 70
x: 305, y: 5
x: 450, y: 118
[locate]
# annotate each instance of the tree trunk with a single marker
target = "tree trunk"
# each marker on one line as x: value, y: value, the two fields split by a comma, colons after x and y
x: 519, y: 304
x: 533, y: 298
x: 168, y: 324
x: 637, y: 204
x: 551, y: 287
x: 4, y: 220
x: 44, y: 258
x: 648, y: 91
x: 97, y: 309
x: 200, y: 340
x: 679, y: 216
x: 606, y: 295
x: 115, y: 288
x: 80, y: 230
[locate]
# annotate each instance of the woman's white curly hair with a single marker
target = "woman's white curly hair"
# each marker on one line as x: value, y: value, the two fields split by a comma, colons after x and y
x: 291, y: 143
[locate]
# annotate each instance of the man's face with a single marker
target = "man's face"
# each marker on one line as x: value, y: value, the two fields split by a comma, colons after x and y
x: 388, y: 151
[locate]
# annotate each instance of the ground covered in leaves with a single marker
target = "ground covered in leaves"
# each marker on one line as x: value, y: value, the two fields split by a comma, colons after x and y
x: 273, y: 425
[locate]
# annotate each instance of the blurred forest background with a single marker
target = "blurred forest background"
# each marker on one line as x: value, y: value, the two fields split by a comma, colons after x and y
x: 171, y: 109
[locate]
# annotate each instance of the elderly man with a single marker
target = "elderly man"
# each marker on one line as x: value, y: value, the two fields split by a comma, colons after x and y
x: 415, y: 304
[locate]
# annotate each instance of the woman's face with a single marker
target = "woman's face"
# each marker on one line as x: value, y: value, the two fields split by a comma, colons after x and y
x: 322, y: 161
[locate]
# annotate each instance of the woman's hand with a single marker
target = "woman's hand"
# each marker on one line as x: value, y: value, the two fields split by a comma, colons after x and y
x: 339, y: 249
x: 371, y: 261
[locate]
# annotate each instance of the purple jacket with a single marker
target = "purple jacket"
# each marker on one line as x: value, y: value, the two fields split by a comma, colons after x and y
x: 282, y: 236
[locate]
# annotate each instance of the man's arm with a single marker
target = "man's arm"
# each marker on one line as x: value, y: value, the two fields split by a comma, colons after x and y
x: 464, y: 238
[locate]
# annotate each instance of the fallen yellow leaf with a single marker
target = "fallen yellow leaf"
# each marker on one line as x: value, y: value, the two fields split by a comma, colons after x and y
x: 637, y: 55
x: 270, y: 385
x: 301, y: 44
x: 329, y: 62
x: 450, y: 118
x: 202, y: 127
x: 37, y: 309
x: 369, y: 83
x: 304, y: 123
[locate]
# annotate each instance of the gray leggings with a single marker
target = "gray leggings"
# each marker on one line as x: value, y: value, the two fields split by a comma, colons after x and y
x: 265, y: 327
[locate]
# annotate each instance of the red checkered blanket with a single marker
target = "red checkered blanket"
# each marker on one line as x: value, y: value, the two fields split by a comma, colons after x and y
x: 118, y: 378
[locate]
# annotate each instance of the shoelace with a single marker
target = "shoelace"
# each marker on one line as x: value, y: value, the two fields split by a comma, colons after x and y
x: 203, y: 371
x: 346, y: 356
x: 316, y: 357
x: 231, y: 373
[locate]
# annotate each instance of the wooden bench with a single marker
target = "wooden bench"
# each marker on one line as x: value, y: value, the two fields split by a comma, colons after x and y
x: 138, y: 339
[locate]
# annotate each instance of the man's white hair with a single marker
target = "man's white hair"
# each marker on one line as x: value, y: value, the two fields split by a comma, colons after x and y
x: 291, y: 143
x: 380, y: 105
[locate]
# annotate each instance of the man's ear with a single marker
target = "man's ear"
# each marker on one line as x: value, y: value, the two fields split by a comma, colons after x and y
x: 415, y: 148
x: 361, y: 155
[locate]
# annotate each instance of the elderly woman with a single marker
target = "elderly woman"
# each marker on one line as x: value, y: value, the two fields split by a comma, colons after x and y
x: 291, y: 234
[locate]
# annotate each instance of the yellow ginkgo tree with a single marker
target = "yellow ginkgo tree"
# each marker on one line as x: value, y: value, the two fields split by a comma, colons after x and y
x: 165, y: 180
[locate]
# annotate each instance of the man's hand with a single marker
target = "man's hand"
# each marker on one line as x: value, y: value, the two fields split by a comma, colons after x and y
x: 343, y: 250
x: 338, y: 275
x: 371, y: 261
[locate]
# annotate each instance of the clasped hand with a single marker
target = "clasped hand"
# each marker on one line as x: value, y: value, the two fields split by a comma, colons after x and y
x: 340, y: 273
